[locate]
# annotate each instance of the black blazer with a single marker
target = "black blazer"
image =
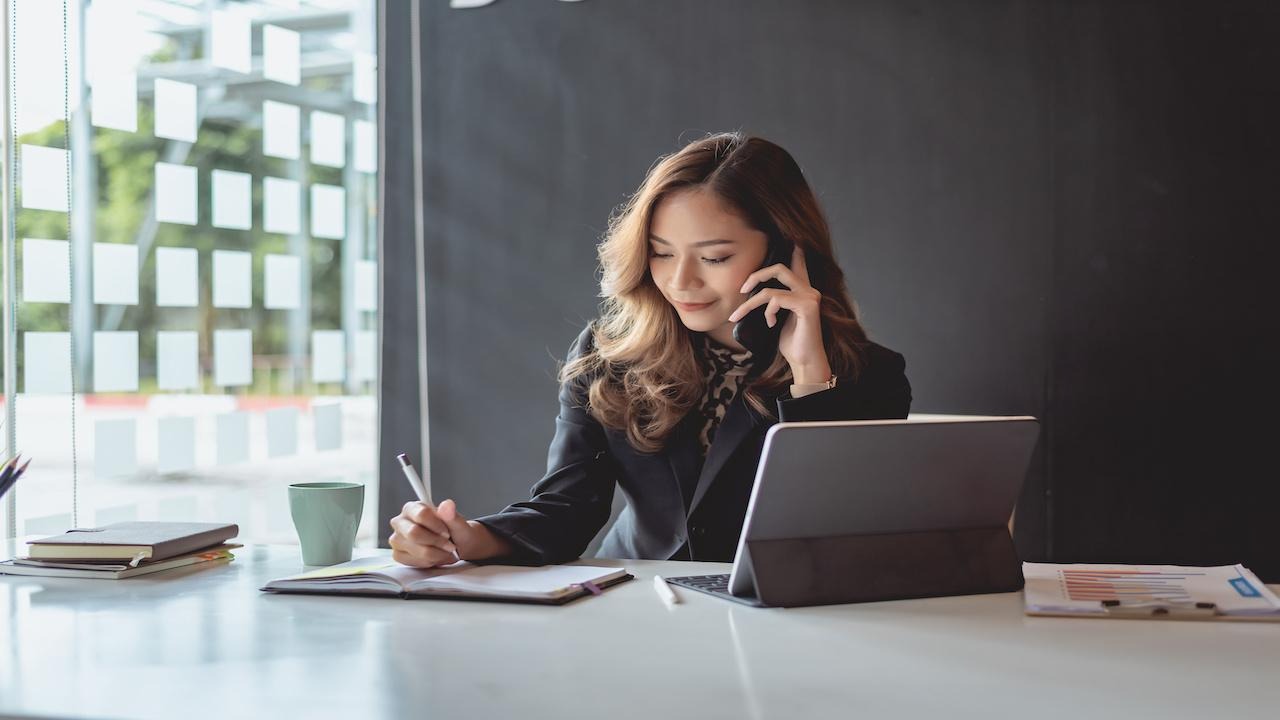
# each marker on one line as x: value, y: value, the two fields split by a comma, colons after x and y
x: 678, y: 507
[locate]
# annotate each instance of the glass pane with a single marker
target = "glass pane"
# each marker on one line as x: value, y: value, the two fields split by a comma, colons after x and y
x: 209, y: 288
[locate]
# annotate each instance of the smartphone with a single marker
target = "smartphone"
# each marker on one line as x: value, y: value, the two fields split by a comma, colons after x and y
x: 752, y: 331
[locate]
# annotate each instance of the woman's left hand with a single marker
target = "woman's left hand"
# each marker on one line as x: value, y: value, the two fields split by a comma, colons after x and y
x: 801, y: 340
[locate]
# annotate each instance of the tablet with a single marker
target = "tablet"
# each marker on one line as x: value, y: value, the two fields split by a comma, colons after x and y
x: 859, y: 511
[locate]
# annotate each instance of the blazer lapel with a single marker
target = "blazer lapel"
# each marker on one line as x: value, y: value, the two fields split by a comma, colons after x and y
x: 738, y: 421
x: 685, y: 455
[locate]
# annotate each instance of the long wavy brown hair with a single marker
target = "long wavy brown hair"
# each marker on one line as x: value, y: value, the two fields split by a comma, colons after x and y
x: 644, y: 373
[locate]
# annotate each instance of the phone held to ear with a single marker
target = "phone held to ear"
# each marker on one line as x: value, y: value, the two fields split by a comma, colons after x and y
x: 752, y: 331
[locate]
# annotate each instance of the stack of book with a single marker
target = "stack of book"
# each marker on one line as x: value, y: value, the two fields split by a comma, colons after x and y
x: 125, y: 549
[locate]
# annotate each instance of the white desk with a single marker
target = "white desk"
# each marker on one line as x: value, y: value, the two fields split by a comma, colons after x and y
x: 205, y: 643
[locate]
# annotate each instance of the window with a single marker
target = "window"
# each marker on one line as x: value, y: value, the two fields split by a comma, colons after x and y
x: 195, y: 283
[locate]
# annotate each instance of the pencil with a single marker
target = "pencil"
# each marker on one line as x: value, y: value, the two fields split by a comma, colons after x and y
x: 10, y: 474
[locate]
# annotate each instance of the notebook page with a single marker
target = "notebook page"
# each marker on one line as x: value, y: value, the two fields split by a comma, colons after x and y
x: 375, y: 573
x: 513, y: 581
x: 379, y: 569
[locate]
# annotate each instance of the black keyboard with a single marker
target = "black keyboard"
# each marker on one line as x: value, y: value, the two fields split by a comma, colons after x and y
x: 717, y: 585
x: 713, y: 584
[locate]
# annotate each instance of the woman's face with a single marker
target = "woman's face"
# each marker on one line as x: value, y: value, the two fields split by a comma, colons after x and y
x: 700, y: 254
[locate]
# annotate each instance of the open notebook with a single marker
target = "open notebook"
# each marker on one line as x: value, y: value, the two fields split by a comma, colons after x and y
x: 550, y: 584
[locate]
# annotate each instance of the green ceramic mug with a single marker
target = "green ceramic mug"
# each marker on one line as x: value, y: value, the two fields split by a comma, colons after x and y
x: 326, y: 515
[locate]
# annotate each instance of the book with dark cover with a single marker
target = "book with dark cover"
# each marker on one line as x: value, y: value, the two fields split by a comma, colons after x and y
x: 127, y: 540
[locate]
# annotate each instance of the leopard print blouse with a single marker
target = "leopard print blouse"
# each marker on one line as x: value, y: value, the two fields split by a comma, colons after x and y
x: 725, y: 370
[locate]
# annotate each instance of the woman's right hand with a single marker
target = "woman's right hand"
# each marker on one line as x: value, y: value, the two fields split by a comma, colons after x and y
x: 426, y: 536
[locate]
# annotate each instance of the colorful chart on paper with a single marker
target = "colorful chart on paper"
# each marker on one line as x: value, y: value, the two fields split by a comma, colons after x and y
x: 1126, y: 585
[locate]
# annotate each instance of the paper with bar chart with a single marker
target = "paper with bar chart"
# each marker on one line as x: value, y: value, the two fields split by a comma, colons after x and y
x: 1079, y: 589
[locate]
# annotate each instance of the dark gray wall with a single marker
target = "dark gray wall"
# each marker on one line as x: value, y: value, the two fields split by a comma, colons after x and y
x: 1163, y: 313
x: 922, y: 129
x: 975, y: 160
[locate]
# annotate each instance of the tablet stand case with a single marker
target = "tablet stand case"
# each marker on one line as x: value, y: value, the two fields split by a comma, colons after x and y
x: 891, y: 566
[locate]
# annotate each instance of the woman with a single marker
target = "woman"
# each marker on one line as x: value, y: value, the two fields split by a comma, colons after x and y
x: 657, y: 396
